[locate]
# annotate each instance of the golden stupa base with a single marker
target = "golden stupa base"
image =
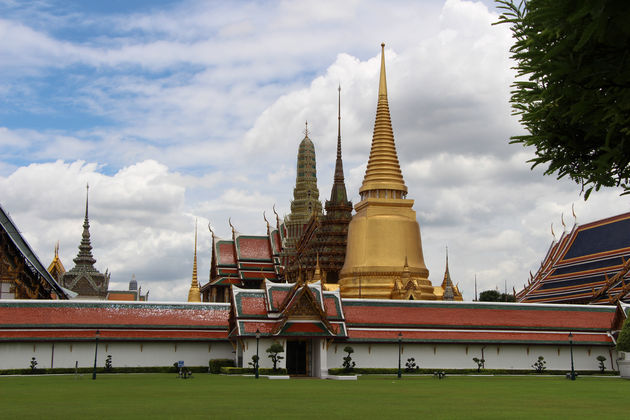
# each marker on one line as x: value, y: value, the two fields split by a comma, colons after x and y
x: 385, y: 286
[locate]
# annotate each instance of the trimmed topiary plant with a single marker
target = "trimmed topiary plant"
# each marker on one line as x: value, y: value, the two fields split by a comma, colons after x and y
x: 539, y: 365
x: 601, y: 359
x: 481, y: 363
x: 274, y: 354
x: 348, y: 363
x: 33, y: 364
x: 411, y: 365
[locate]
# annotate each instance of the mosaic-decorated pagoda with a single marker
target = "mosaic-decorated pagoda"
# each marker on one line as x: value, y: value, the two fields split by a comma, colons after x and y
x: 332, y: 235
x: 84, y: 279
x: 384, y: 246
x: 588, y: 264
x: 322, y: 245
x: 304, y: 207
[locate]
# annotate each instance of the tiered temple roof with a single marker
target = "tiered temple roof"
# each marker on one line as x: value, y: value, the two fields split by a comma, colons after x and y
x: 589, y: 264
x: 245, y: 260
x: 22, y: 275
x: 84, y: 278
x: 285, y: 310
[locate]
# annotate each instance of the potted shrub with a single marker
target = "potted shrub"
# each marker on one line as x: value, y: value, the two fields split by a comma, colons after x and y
x: 623, y: 350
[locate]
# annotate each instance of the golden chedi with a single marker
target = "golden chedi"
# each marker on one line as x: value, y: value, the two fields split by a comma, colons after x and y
x: 384, y: 253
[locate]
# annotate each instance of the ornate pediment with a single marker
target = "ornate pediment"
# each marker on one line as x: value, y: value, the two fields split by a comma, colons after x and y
x: 304, y: 308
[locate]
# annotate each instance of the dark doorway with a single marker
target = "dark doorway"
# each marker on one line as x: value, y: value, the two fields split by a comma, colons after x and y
x: 297, y: 357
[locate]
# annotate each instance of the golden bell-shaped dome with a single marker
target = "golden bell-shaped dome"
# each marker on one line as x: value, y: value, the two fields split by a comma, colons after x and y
x: 384, y: 245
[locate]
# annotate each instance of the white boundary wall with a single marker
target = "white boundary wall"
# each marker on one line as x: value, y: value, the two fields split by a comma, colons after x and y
x: 459, y: 356
x: 17, y: 355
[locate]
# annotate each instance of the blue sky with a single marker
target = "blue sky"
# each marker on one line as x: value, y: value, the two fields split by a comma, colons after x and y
x: 178, y: 110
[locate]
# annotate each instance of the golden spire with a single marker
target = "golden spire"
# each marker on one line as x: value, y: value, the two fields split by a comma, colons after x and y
x: 194, y: 295
x: 383, y: 169
x: 56, y: 268
x: 317, y: 276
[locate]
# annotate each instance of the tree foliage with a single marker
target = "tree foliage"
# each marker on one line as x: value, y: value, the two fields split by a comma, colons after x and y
x: 572, y: 91
x: 623, y: 341
x: 495, y: 296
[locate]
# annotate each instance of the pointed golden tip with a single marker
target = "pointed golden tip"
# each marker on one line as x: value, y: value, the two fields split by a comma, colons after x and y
x: 382, y: 86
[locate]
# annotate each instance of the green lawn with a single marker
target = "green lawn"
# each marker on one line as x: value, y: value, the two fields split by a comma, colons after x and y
x: 164, y: 396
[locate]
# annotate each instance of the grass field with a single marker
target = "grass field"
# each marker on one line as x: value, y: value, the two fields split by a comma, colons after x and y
x: 164, y: 396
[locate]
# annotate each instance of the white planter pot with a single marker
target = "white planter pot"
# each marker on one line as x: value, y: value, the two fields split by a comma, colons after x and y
x: 624, y: 364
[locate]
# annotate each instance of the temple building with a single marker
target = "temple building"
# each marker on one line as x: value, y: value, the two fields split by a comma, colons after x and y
x: 22, y: 275
x: 132, y: 294
x: 56, y: 268
x: 588, y: 264
x: 325, y: 248
x: 322, y: 245
x: 304, y: 206
x: 244, y: 260
x: 384, y: 257
x: 84, y: 279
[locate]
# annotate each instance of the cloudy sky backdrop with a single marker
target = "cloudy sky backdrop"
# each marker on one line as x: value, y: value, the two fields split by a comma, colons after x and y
x: 177, y: 110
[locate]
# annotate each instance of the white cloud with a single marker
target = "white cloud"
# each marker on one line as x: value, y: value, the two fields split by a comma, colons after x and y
x: 196, y: 109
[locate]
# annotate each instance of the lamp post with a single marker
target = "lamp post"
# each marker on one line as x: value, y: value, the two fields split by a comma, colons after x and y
x: 95, y: 353
x: 571, y: 349
x: 257, y: 339
x: 399, y: 352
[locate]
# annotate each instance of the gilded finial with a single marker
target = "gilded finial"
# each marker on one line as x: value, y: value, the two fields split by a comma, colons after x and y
x: 231, y: 225
x: 306, y: 129
x: 317, y: 275
x: 382, y: 85
x: 194, y: 294
x: 564, y: 227
x: 552, y: 232
x: 573, y: 211
x: 87, y: 194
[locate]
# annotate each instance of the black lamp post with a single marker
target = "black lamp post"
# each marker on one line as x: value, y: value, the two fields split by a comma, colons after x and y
x: 571, y: 349
x: 399, y: 352
x: 257, y: 339
x: 95, y: 354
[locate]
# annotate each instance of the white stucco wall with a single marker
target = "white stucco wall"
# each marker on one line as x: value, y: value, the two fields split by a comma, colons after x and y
x: 124, y: 354
x: 249, y: 350
x: 459, y: 356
